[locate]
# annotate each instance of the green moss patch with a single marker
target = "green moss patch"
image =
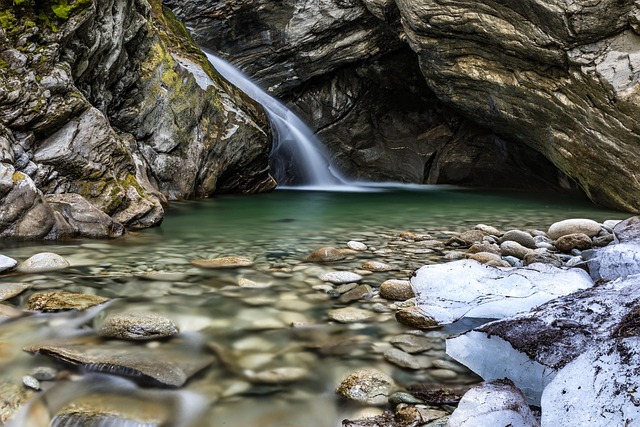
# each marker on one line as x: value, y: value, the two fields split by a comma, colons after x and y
x: 63, y: 9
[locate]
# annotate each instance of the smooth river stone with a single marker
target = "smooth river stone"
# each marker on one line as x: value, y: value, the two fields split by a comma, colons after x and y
x: 225, y: 262
x: 10, y: 290
x: 283, y: 375
x: 61, y: 300
x: 327, y: 254
x: 571, y: 226
x: 399, y: 290
x: 340, y: 277
x: 356, y: 246
x: 137, y: 326
x: 44, y: 261
x: 349, y: 314
x: 7, y: 263
x: 170, y: 363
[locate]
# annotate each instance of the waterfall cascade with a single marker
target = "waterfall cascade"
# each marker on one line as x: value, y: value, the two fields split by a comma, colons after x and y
x: 298, y: 157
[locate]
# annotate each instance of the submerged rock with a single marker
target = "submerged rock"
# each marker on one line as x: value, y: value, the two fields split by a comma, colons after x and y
x: 10, y: 290
x: 225, y: 262
x: 327, y: 254
x: 340, y: 277
x: 169, y: 363
x: 368, y: 386
x: 448, y: 292
x: 350, y: 315
x: 61, y: 300
x: 137, y: 326
x: 43, y: 262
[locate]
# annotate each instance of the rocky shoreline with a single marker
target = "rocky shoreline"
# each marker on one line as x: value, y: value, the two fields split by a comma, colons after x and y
x: 360, y: 284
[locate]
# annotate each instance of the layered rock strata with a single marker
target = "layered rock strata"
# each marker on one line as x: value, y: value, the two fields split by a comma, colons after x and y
x: 552, y: 77
x: 112, y: 105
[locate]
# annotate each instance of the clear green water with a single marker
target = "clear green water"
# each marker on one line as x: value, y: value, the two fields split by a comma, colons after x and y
x: 251, y: 326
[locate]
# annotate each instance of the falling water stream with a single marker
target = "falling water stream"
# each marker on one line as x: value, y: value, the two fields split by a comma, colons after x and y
x: 298, y: 158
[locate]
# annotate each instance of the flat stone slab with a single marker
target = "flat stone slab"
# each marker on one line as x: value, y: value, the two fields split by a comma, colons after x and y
x: 225, y: 262
x: 168, y: 363
x: 466, y: 288
x: 7, y: 263
x: 61, y: 300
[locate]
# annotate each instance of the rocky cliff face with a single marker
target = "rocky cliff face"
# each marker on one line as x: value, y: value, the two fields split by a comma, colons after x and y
x: 507, y: 84
x: 108, y: 109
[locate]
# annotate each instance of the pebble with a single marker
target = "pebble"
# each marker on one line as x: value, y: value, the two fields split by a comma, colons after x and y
x: 412, y: 316
x: 399, y: 290
x: 31, y: 382
x: 525, y: 239
x: 326, y: 254
x: 281, y: 375
x: 403, y: 397
x: 444, y: 374
x: 349, y: 314
x: 10, y: 290
x: 545, y: 258
x: 377, y: 266
x: 486, y: 258
x: 356, y: 246
x: 511, y: 248
x: 406, y: 360
x: 412, y: 343
x: 355, y: 294
x: 42, y: 262
x: 340, y: 277
x: 484, y: 247
x: 62, y: 300
x: 369, y: 386
x: 44, y: 373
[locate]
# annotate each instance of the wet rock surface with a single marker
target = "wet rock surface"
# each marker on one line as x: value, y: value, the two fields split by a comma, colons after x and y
x: 367, y: 386
x: 61, y: 300
x: 137, y: 326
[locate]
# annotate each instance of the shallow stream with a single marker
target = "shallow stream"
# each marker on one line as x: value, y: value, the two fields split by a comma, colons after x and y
x: 256, y: 320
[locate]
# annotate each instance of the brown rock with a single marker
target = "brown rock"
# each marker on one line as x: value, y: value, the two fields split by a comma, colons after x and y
x: 221, y: 263
x: 61, y: 300
x: 414, y: 317
x: 327, y: 254
x: 399, y: 290
x: 484, y: 247
x: 578, y: 241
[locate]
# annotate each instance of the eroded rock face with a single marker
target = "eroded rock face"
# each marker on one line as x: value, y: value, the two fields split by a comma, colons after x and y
x: 343, y: 67
x: 113, y: 102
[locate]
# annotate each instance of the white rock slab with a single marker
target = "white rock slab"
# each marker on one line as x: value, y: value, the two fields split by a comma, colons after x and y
x: 496, y: 403
x: 466, y: 288
x: 598, y: 389
x: 614, y: 261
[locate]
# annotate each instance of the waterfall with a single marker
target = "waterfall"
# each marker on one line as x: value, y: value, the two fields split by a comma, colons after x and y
x: 297, y: 157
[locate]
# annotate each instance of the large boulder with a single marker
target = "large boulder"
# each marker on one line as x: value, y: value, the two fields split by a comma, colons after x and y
x: 110, y: 100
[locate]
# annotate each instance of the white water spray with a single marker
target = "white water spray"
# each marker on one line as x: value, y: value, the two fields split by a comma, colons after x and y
x: 298, y: 157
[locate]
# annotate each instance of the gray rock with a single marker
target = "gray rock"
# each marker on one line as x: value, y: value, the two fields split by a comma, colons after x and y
x: 412, y: 343
x: 511, y: 248
x: 31, y: 382
x: 168, y: 363
x: 377, y: 266
x: 283, y: 375
x: 525, y: 239
x: 223, y: 263
x: 80, y: 218
x: 137, y: 326
x: 572, y: 226
x: 544, y: 258
x: 7, y: 263
x: 44, y: 373
x: 43, y: 262
x: 350, y: 315
x: 513, y: 261
x: 628, y: 230
x: 368, y: 386
x: 355, y: 294
x: 406, y: 360
x: 356, y: 246
x: 339, y: 277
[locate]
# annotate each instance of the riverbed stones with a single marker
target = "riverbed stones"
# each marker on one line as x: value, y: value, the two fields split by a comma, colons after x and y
x: 327, y: 254
x: 525, y: 239
x: 406, y: 360
x: 484, y: 247
x: 62, y: 300
x: 137, y: 326
x: 340, y: 277
x: 282, y: 375
x: 467, y: 238
x: 350, y: 315
x: 43, y: 262
x: 31, y: 382
x: 355, y: 294
x: 223, y: 263
x: 170, y: 363
x: 7, y: 263
x: 411, y: 343
x: 369, y: 386
x: 394, y: 289
x: 571, y: 226
x: 568, y: 242
x: 10, y: 290
x: 488, y: 229
x: 489, y: 259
